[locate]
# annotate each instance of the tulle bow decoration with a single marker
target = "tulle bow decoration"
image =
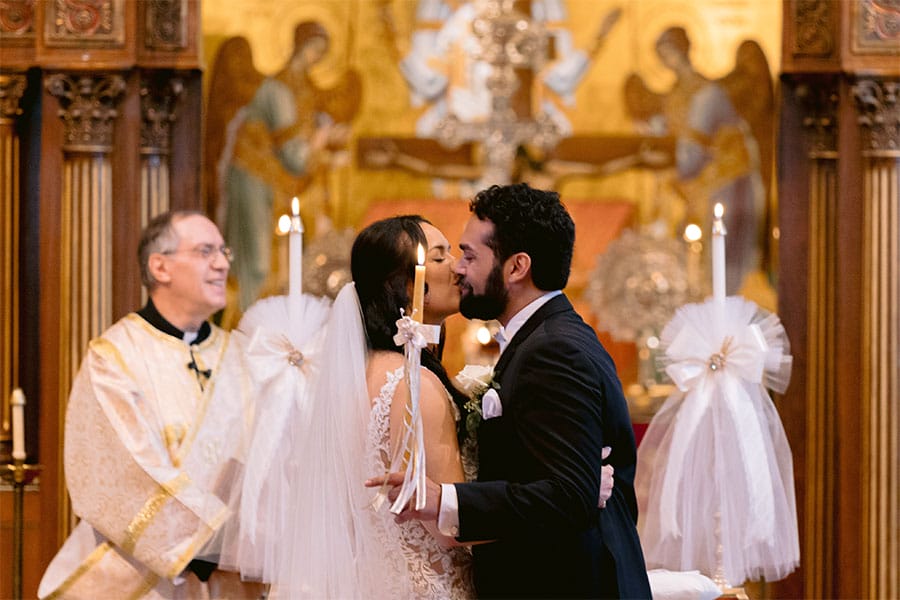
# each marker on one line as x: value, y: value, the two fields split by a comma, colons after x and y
x: 716, y: 450
x: 281, y: 358
x: 698, y: 352
x: 409, y: 456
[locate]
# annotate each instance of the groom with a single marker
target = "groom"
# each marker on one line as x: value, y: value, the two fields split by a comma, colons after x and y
x: 561, y: 402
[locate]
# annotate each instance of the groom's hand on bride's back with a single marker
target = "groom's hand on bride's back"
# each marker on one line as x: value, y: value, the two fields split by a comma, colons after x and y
x: 432, y: 497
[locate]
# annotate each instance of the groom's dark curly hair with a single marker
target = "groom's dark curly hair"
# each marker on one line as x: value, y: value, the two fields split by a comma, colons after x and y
x: 531, y: 221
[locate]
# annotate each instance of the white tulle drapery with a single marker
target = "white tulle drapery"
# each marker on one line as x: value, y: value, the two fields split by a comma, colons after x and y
x: 315, y: 533
x: 714, y: 476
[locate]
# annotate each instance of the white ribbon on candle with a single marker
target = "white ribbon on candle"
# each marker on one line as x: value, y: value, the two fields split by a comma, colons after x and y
x: 409, y: 454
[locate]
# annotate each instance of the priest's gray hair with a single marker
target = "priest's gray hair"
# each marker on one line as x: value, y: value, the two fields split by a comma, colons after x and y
x: 159, y: 236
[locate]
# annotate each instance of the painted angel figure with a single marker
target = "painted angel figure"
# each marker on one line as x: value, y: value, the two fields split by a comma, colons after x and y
x: 269, y: 139
x: 724, y: 142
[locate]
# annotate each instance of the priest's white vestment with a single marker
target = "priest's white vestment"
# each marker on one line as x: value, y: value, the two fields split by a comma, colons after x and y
x: 154, y: 433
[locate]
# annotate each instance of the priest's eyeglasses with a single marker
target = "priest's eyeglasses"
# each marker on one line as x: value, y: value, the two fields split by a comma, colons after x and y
x: 207, y: 252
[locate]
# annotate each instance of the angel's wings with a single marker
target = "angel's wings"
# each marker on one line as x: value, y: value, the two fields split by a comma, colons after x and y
x: 233, y: 83
x: 641, y: 102
x: 749, y: 87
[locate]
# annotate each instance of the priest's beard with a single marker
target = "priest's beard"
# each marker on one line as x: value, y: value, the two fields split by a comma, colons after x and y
x: 488, y: 305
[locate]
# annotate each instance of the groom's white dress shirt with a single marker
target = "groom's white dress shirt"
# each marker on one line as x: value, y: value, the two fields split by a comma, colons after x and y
x: 448, y: 516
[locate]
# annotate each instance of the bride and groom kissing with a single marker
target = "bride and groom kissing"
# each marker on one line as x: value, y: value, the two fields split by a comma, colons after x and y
x: 529, y: 525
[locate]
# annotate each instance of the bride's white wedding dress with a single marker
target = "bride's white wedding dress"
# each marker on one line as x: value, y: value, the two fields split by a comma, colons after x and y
x: 435, y: 571
x: 308, y: 524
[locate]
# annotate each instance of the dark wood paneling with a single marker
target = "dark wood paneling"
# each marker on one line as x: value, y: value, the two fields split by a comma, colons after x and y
x: 185, y: 161
x: 126, y: 166
x: 793, y: 283
x: 52, y: 484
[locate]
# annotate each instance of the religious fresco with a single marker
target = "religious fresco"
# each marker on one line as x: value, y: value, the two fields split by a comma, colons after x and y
x: 607, y: 104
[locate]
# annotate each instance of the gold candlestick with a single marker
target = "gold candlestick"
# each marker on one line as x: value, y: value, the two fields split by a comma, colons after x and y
x: 18, y: 474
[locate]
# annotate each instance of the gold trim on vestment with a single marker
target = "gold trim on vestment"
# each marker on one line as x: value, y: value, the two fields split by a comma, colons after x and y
x: 204, y: 404
x: 91, y: 561
x: 109, y: 351
x: 150, y: 509
x: 199, y: 542
x: 148, y: 584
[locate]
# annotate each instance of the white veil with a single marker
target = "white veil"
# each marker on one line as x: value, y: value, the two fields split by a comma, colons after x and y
x: 325, y: 540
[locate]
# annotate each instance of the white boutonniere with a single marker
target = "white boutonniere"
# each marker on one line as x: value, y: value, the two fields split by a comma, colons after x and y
x: 477, y: 382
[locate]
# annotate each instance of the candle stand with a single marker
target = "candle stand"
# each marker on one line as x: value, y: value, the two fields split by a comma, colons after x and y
x: 18, y: 474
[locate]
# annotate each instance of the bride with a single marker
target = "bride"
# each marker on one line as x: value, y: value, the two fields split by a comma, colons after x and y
x: 326, y: 539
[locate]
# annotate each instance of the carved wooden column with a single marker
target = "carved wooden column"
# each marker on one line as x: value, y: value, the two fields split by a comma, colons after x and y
x: 160, y: 93
x: 12, y: 86
x: 88, y: 113
x: 819, y: 98
x: 879, y: 121
x: 839, y: 292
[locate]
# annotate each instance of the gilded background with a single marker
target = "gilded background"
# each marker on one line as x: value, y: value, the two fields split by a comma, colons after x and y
x: 716, y: 28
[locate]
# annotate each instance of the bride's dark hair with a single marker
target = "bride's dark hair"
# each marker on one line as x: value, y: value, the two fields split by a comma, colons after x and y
x: 382, y: 263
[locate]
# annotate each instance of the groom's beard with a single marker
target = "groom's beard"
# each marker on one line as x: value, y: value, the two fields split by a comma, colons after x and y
x: 488, y: 305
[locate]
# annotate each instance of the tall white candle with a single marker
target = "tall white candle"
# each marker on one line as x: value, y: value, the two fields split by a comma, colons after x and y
x: 419, y: 288
x: 18, y: 424
x: 718, y: 254
x: 295, y: 261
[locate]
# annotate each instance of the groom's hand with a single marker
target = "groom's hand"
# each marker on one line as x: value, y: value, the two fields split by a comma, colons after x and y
x: 432, y: 498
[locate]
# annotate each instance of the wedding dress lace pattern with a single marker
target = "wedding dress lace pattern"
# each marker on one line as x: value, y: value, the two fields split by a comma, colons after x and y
x: 436, y: 571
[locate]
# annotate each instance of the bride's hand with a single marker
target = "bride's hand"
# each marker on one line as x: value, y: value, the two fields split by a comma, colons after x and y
x: 432, y: 498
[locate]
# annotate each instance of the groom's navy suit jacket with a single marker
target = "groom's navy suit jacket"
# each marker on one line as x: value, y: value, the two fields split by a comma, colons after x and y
x: 539, y: 471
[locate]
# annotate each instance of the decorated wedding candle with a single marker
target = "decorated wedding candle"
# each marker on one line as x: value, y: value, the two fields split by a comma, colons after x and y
x: 295, y: 261
x: 419, y: 287
x: 718, y: 254
x: 18, y: 424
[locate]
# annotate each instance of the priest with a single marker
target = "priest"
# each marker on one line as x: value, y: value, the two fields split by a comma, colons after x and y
x: 153, y: 418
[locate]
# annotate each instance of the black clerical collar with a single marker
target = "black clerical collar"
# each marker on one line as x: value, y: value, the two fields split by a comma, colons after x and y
x: 152, y: 316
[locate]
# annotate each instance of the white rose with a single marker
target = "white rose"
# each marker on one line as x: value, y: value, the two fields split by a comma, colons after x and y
x: 474, y: 379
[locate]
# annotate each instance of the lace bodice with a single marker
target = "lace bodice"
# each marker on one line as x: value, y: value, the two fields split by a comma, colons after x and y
x: 436, y: 572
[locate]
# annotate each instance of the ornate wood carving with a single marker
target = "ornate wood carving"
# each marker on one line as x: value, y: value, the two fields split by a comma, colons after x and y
x: 85, y: 23
x: 17, y: 21
x: 165, y: 24
x: 11, y: 89
x: 879, y: 116
x: 820, y: 108
x: 88, y: 109
x: 814, y: 26
x: 160, y: 94
x: 875, y: 27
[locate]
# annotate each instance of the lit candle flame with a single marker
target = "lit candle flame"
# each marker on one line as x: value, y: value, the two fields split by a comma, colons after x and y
x: 295, y: 206
x: 693, y: 233
x: 719, y: 210
x: 284, y: 224
x: 421, y: 255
